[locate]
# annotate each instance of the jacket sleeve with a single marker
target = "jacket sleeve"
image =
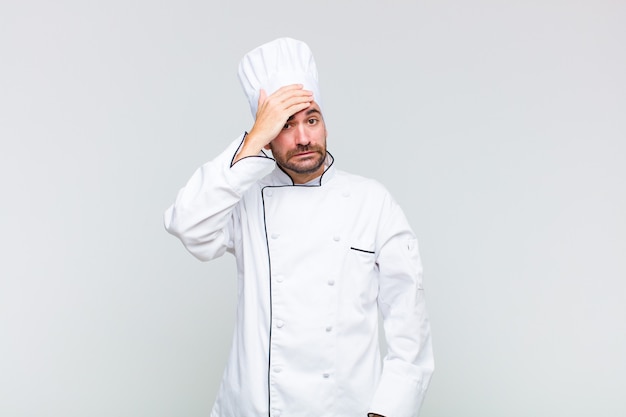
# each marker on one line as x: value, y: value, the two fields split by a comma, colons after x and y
x: 201, y: 217
x: 408, y: 365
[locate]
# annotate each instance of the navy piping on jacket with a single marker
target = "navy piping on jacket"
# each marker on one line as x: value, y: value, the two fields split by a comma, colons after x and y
x: 269, y: 262
x: 232, y: 161
x: 269, y: 347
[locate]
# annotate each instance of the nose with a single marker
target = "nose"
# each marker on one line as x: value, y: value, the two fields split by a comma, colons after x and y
x: 301, y: 135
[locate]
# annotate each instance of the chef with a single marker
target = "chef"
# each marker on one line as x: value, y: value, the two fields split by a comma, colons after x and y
x: 319, y: 253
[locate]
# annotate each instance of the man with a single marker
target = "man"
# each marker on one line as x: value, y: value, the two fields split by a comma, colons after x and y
x: 319, y: 253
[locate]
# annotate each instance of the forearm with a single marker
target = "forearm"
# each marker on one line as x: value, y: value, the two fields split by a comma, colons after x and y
x: 252, y: 145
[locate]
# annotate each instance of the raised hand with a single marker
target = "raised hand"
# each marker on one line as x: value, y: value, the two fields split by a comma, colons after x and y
x: 272, y: 114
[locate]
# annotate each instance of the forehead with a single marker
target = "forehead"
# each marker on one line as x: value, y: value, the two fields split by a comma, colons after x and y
x: 314, y: 108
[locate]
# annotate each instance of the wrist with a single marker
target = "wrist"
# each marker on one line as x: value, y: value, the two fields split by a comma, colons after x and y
x: 247, y: 148
x: 257, y: 139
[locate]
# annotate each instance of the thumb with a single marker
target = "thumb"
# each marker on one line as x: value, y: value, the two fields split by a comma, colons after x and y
x: 262, y: 97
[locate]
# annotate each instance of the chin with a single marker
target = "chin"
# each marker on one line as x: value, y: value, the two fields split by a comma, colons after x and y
x: 309, y: 166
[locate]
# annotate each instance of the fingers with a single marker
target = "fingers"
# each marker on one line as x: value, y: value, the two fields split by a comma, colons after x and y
x: 281, y: 104
x: 287, y: 100
x: 283, y: 91
x: 290, y: 92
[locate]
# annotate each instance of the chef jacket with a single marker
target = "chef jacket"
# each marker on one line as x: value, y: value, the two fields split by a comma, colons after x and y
x: 315, y: 265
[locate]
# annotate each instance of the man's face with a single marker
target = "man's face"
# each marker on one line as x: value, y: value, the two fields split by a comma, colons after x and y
x: 300, y: 148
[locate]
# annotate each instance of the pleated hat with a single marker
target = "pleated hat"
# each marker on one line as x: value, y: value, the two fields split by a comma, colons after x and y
x: 280, y: 62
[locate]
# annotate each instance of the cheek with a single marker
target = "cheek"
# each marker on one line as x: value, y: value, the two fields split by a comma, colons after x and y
x: 322, y: 136
x: 278, y: 144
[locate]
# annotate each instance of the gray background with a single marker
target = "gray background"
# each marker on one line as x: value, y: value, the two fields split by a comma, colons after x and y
x: 499, y: 126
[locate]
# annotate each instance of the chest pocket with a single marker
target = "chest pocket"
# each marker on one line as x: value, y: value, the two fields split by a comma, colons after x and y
x: 358, y: 248
x: 363, y: 255
x: 360, y: 273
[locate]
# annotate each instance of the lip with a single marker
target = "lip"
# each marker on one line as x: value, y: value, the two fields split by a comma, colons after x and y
x: 305, y: 153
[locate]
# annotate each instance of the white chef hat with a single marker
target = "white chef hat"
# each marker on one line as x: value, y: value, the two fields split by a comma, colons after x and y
x: 275, y: 64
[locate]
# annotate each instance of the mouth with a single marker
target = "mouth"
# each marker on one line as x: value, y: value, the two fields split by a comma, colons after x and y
x: 306, y: 153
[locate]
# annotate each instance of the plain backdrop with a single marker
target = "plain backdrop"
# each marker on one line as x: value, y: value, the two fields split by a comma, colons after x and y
x: 499, y: 126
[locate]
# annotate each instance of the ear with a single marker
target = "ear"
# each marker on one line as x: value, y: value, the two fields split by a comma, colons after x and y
x: 268, y: 147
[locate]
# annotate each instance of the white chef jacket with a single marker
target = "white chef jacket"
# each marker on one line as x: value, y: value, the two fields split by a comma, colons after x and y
x: 315, y: 263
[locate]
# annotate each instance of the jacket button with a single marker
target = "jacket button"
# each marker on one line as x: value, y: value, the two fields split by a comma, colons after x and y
x: 275, y: 235
x: 346, y: 194
x: 329, y: 328
x: 280, y: 323
x: 326, y: 375
x: 277, y: 369
x: 331, y: 282
x: 336, y: 238
x: 279, y: 278
x: 268, y: 193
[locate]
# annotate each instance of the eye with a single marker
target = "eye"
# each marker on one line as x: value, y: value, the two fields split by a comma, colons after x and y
x: 312, y: 121
x: 286, y: 126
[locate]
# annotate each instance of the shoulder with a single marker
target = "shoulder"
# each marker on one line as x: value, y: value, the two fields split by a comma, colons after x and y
x: 361, y: 184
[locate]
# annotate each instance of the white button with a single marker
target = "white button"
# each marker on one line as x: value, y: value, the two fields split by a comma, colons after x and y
x: 346, y: 194
x: 275, y: 235
x: 279, y: 278
x: 331, y: 282
x: 276, y: 413
x: 280, y: 323
x: 336, y: 238
x: 329, y: 328
x: 268, y: 193
x: 277, y: 369
x: 326, y: 375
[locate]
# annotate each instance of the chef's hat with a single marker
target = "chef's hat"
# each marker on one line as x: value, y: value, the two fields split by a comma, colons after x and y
x: 275, y: 64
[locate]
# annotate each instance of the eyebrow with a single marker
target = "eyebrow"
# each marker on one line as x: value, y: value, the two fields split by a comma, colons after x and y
x: 308, y: 113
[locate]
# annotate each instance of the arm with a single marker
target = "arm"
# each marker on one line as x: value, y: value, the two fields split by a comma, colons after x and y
x: 408, y: 365
x: 201, y: 217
